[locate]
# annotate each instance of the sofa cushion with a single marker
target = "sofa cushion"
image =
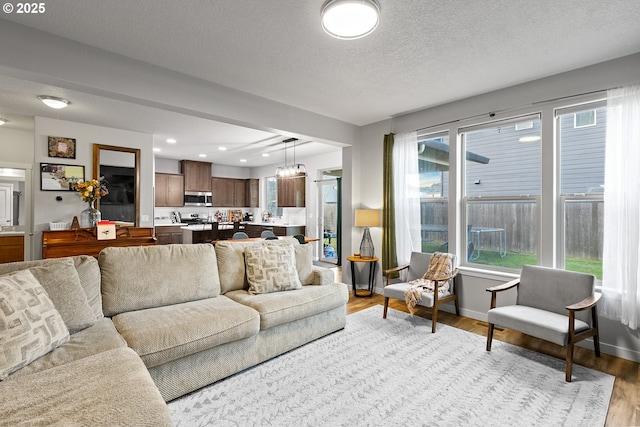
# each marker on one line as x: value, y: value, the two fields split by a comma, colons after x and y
x: 99, y: 337
x: 30, y: 325
x: 231, y: 265
x: 60, y: 279
x: 141, y: 277
x: 284, y: 307
x: 89, y: 274
x: 112, y: 388
x: 163, y: 334
x: 304, y: 263
x: 271, y: 268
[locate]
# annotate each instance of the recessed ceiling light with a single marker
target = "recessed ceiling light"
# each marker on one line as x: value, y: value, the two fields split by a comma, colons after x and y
x: 243, y: 160
x: 156, y: 149
x: 350, y: 19
x: 222, y: 148
x: 54, y: 102
x: 3, y: 121
x: 265, y: 154
x: 202, y: 155
x: 171, y: 141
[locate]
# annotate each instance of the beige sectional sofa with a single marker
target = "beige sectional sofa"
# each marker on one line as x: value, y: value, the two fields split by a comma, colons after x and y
x: 157, y: 322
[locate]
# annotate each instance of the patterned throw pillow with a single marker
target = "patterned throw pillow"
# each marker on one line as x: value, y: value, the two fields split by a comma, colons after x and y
x: 271, y: 268
x: 30, y: 325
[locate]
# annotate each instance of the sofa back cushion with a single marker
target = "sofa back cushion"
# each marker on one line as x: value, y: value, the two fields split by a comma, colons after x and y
x: 231, y: 262
x: 140, y: 277
x: 552, y: 289
x: 60, y: 279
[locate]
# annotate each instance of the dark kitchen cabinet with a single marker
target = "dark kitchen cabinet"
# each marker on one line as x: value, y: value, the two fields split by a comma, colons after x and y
x: 235, y: 192
x: 222, y: 189
x: 169, y: 190
x: 169, y: 234
x: 253, y: 193
x: 197, y: 175
x: 291, y: 192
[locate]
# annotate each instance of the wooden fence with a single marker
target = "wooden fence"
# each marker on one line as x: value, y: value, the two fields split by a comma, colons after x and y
x: 583, y: 222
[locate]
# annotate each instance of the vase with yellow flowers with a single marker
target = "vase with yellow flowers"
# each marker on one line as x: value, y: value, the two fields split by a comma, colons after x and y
x: 90, y: 191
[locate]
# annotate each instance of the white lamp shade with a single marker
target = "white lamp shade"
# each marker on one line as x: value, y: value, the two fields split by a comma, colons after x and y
x: 367, y: 218
x: 350, y: 19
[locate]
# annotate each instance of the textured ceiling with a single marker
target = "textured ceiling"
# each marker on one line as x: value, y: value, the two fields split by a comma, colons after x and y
x: 424, y: 53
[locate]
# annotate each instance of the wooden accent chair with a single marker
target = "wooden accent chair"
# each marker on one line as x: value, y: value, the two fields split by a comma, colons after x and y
x: 416, y: 268
x: 554, y: 305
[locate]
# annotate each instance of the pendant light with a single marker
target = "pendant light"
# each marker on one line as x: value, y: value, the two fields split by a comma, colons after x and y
x: 294, y: 169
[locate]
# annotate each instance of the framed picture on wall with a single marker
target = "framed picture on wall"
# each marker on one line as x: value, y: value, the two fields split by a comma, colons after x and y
x: 56, y: 177
x: 62, y: 147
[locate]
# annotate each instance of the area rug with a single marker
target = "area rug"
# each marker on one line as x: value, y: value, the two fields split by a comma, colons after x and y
x: 395, y: 372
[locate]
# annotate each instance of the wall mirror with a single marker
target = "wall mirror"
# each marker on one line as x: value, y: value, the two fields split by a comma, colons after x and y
x: 120, y: 167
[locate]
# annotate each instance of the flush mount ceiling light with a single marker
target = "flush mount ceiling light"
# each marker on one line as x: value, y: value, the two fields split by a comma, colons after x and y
x: 350, y: 19
x: 3, y: 121
x: 54, y: 102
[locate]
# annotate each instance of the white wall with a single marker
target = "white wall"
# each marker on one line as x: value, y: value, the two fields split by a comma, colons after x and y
x: 46, y: 208
x: 474, y: 300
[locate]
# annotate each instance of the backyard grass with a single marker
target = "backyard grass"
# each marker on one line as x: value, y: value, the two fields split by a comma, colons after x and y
x: 516, y: 260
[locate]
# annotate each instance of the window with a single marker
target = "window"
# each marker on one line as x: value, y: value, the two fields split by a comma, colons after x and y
x: 584, y: 119
x: 582, y: 156
x: 502, y: 187
x: 272, y: 196
x: 433, y: 167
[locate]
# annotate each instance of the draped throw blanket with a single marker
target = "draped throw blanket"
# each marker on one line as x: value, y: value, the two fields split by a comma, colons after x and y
x: 440, y: 270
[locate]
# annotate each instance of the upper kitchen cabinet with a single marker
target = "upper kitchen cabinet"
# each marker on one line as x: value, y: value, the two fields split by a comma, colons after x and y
x: 253, y: 193
x: 291, y: 192
x: 222, y: 189
x: 197, y: 175
x: 235, y: 192
x: 169, y: 190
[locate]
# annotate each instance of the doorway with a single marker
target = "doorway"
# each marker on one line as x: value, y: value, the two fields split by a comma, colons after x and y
x: 329, y: 215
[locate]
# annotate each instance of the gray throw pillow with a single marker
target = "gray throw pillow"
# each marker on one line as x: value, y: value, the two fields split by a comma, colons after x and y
x: 30, y: 325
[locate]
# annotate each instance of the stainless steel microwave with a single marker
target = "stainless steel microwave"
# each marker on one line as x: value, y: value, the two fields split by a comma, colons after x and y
x: 198, y: 198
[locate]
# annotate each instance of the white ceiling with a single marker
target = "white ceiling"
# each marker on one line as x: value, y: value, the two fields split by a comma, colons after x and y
x: 423, y: 54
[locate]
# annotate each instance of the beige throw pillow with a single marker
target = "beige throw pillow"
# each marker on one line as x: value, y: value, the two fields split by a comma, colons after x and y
x: 30, y: 325
x: 271, y: 268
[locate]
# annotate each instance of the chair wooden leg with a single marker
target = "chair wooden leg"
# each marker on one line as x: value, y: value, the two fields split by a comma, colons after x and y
x: 490, y: 336
x: 434, y: 319
x: 569, y: 362
x: 386, y: 305
x: 596, y: 336
x: 457, y: 306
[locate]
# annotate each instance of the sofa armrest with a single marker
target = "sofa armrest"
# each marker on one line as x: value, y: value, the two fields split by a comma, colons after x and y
x: 323, y: 276
x: 495, y: 289
x: 586, y: 303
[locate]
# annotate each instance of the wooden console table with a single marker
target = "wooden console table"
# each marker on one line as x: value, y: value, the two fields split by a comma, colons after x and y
x: 83, y: 241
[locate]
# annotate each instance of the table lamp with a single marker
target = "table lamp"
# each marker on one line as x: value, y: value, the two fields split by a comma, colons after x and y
x: 367, y: 218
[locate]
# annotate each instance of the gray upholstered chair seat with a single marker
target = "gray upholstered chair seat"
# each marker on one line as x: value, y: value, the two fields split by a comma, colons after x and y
x: 539, y: 323
x: 396, y: 290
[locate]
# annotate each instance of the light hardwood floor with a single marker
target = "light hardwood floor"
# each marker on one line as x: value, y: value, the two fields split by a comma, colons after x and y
x: 624, y: 408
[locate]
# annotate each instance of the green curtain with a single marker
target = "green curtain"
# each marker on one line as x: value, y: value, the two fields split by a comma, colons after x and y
x: 389, y: 255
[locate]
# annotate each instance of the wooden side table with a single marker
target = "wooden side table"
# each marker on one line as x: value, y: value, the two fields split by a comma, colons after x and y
x: 373, y: 262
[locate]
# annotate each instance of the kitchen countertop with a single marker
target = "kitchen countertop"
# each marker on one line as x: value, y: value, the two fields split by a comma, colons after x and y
x: 274, y: 224
x: 11, y: 233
